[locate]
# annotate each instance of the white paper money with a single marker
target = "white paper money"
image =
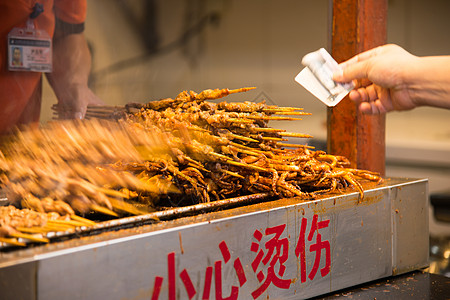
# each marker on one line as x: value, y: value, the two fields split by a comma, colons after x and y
x: 317, y: 77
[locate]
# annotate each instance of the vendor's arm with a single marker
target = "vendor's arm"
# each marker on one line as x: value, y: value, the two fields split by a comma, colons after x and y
x: 69, y: 79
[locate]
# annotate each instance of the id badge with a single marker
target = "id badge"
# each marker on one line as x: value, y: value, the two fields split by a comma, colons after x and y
x: 29, y: 49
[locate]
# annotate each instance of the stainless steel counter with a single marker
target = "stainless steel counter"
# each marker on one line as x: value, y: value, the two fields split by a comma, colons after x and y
x: 284, y: 249
x: 413, y: 285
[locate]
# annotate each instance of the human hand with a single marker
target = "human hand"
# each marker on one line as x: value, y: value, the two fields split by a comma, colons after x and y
x: 70, y: 76
x: 72, y: 104
x: 379, y: 78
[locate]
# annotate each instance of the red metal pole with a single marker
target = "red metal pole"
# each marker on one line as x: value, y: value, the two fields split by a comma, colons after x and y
x: 357, y: 25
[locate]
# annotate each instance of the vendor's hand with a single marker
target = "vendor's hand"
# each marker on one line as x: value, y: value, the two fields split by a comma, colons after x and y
x: 73, y: 104
x: 70, y: 76
x: 379, y: 78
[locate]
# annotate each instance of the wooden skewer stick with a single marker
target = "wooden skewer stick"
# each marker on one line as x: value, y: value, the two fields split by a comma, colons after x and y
x: 276, y: 161
x: 99, y: 112
x: 34, y: 229
x: 98, y: 115
x: 284, y: 167
x: 241, y: 146
x: 57, y: 227
x: 196, y: 164
x: 108, y: 107
x: 265, y: 153
x: 29, y: 237
x: 102, y: 112
x: 196, y: 128
x: 269, y: 138
x: 244, y: 121
x: 278, y: 150
x: 232, y: 174
x: 83, y: 220
x: 216, y: 93
x: 248, y: 166
x: 112, y: 193
x: 283, y: 108
x: 247, y: 148
x: 241, y: 90
x: 281, y: 158
x: 243, y: 138
x: 126, y: 207
x: 219, y: 156
x: 103, y: 210
x: 266, y: 129
x: 95, y: 108
x: 292, y: 113
x: 294, y: 145
x: 294, y: 134
x: 272, y: 118
x: 201, y: 168
x: 71, y: 223
x: 249, y: 152
x: 14, y: 242
x: 51, y: 225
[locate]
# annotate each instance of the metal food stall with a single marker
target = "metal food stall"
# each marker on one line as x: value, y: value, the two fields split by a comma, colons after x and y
x: 277, y: 249
x: 255, y: 247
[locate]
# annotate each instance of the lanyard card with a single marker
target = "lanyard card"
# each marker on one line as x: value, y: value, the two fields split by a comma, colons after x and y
x: 29, y: 49
x: 317, y: 78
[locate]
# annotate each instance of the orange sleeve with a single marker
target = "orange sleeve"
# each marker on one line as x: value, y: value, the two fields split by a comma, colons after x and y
x: 71, y: 11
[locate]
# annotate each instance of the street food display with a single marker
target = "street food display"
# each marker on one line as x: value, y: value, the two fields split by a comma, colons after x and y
x: 139, y: 158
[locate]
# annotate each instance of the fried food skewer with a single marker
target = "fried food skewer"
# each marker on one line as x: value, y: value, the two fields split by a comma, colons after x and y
x: 13, y: 242
x: 29, y: 237
x: 164, y: 153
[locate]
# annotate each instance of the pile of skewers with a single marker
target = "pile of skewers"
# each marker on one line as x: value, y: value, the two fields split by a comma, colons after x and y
x: 17, y: 225
x: 227, y: 150
x: 166, y: 153
x: 60, y: 172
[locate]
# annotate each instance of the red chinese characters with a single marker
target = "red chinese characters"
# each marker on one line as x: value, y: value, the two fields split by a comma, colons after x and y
x: 317, y: 247
x: 277, y: 251
x: 271, y: 248
x: 188, y: 284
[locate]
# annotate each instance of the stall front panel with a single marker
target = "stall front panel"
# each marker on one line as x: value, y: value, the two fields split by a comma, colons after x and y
x: 287, y: 249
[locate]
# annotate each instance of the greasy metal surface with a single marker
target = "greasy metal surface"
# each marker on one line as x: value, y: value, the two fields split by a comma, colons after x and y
x: 128, y: 264
x: 22, y: 274
x: 409, y: 225
x: 357, y: 25
x: 172, y: 213
x: 414, y: 285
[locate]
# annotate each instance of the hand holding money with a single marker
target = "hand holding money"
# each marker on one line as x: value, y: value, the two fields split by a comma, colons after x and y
x: 317, y: 77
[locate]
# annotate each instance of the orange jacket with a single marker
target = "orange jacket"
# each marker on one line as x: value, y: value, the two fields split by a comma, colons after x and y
x: 20, y: 92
